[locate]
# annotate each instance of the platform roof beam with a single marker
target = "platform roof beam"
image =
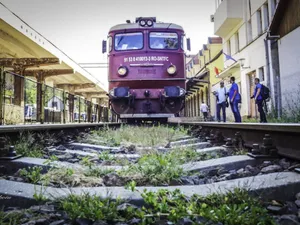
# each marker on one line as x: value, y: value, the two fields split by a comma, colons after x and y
x: 45, y: 73
x: 20, y: 64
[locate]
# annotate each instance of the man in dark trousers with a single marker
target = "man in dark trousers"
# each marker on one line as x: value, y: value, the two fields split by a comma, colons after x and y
x: 221, y: 95
x: 235, y: 99
x: 259, y: 100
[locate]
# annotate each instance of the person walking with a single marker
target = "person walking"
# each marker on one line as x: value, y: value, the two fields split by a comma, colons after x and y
x: 259, y: 100
x: 221, y: 95
x: 235, y: 99
x: 204, y: 110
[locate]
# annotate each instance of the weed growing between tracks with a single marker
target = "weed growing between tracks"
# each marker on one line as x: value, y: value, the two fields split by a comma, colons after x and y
x: 233, y: 208
x: 138, y: 135
x: 155, y: 168
x: 26, y: 145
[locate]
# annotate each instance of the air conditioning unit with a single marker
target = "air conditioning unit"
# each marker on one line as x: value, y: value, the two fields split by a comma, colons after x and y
x: 212, y: 18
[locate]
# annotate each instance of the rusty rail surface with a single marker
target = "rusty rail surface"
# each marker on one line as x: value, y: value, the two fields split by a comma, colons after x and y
x: 284, y: 137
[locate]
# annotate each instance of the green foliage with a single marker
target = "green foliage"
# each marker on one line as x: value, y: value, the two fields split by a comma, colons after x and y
x: 233, y: 208
x: 33, y: 175
x: 90, y: 206
x: 143, y: 135
x: 162, y: 168
x: 155, y: 169
x: 27, y: 146
x: 98, y: 172
x: 11, y: 218
x: 39, y: 194
x: 30, y: 91
x: 51, y: 160
x: 87, y: 162
x: 106, y: 156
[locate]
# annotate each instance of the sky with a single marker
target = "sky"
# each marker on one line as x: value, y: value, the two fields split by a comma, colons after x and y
x: 78, y: 27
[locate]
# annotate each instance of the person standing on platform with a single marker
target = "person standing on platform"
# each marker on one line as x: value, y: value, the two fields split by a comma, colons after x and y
x: 259, y: 100
x: 221, y: 95
x: 204, y: 110
x: 235, y: 99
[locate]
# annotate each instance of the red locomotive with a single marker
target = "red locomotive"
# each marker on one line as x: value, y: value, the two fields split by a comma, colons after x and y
x: 146, y: 69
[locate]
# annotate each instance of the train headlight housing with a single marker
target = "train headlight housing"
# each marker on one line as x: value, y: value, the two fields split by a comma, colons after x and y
x: 182, y: 92
x: 122, y: 71
x: 142, y: 23
x: 112, y: 92
x: 172, y: 70
x: 149, y: 23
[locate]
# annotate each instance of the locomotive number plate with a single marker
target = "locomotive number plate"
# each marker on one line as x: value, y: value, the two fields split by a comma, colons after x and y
x: 146, y: 71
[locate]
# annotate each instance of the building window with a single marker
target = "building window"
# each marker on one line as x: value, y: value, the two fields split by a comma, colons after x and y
x: 259, y: 22
x: 266, y: 16
x: 261, y: 74
x: 249, y: 26
x: 237, y: 42
x: 228, y: 47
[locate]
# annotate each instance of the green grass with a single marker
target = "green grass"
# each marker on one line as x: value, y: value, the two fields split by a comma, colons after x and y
x: 155, y: 168
x: 11, y: 218
x: 26, y: 145
x: 162, y: 168
x: 234, y: 208
x: 137, y: 135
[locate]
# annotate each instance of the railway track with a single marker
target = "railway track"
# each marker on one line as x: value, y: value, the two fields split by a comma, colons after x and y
x: 196, y: 162
x: 285, y: 137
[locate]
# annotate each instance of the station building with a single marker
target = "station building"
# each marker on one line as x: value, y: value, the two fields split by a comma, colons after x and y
x: 243, y: 26
x: 202, y: 73
x: 284, y: 48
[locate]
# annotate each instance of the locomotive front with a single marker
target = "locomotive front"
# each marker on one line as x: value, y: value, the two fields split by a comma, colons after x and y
x: 146, y: 69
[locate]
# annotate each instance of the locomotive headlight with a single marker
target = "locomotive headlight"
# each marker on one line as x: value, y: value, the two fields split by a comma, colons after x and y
x: 122, y: 71
x: 149, y: 23
x: 172, y: 70
x: 181, y: 92
x: 142, y: 23
x: 112, y: 92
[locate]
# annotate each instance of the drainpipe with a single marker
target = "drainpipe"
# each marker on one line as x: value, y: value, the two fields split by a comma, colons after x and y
x: 267, y: 62
x: 271, y: 44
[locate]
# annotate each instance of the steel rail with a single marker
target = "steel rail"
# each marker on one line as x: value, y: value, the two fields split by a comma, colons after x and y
x: 285, y: 136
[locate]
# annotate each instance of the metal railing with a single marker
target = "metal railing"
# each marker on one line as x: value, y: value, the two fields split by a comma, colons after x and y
x: 26, y: 101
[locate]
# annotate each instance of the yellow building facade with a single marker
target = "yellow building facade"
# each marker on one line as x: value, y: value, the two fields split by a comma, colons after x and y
x: 209, y: 61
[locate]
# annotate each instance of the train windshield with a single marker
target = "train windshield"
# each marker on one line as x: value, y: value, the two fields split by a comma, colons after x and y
x: 163, y: 40
x: 128, y: 41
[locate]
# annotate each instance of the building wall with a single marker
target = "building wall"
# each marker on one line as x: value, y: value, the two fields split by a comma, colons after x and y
x: 219, y: 63
x: 289, y: 59
x: 247, y: 46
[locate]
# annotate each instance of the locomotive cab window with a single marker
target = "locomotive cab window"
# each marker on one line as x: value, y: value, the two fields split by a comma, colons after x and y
x: 163, y: 40
x: 128, y: 41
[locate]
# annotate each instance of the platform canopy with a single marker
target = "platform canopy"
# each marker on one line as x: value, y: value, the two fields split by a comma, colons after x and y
x: 22, y: 46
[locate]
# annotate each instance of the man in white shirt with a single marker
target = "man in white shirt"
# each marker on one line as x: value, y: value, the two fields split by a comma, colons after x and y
x: 204, y: 110
x: 221, y: 95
